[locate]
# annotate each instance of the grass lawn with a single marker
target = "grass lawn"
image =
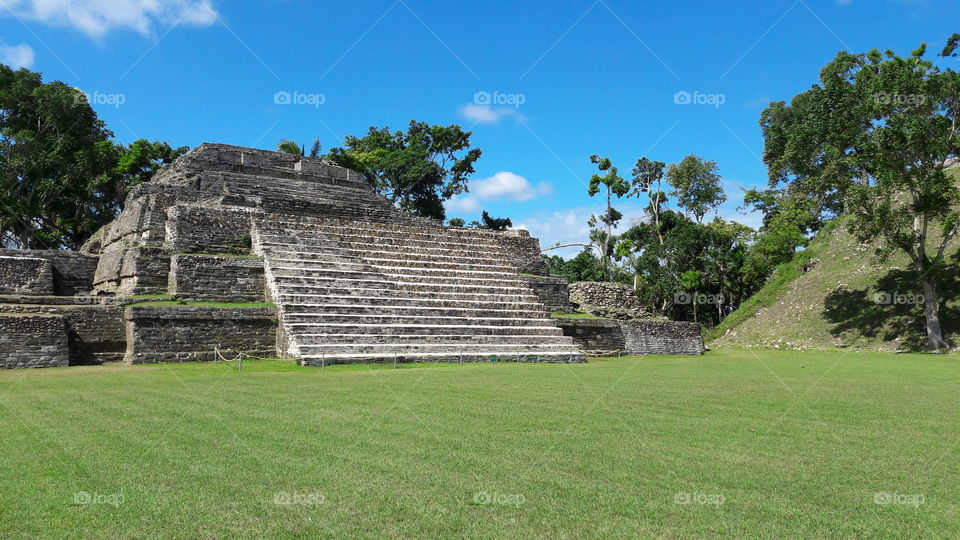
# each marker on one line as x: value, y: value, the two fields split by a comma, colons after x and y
x: 754, y: 444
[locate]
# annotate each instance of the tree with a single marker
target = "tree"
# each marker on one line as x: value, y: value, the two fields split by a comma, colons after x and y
x: 289, y: 147
x: 696, y: 185
x: 456, y: 222
x: 62, y: 177
x: 874, y: 136
x: 417, y: 169
x: 495, y: 224
x: 646, y: 173
x: 292, y: 147
x: 615, y: 185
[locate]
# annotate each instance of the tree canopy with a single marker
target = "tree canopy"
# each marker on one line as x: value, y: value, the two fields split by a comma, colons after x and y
x: 417, y: 169
x: 871, y: 139
x: 62, y: 176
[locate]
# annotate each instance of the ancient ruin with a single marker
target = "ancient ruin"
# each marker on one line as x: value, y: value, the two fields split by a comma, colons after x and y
x: 233, y: 249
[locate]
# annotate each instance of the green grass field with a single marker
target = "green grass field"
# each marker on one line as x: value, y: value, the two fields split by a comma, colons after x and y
x: 753, y: 444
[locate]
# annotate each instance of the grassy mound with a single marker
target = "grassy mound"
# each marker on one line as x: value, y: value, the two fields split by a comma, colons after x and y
x: 764, y: 444
x: 827, y: 298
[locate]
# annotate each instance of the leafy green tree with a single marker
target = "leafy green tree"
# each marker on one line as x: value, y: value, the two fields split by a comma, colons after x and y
x: 873, y: 137
x: 647, y: 177
x: 61, y: 175
x: 584, y: 267
x: 696, y: 185
x: 417, y: 169
x: 495, y: 224
x: 456, y: 222
x: 289, y: 147
x: 615, y: 185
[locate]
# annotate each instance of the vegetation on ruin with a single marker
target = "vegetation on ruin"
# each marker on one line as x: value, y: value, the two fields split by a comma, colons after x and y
x: 417, y: 170
x: 205, y: 304
x: 736, y: 443
x: 62, y: 176
x: 574, y: 315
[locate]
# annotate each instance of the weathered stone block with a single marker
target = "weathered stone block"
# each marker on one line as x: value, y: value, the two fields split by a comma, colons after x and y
x: 634, y: 337
x: 188, y: 333
x: 33, y: 341
x: 221, y: 279
x: 25, y: 275
x: 553, y: 291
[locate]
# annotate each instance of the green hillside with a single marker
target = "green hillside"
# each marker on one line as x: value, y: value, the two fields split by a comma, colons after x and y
x: 826, y: 299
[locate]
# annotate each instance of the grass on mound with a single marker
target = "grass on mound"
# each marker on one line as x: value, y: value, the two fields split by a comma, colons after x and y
x: 205, y: 304
x: 574, y: 315
x: 760, y: 444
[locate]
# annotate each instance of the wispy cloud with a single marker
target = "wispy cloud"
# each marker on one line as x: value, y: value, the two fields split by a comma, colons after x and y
x: 487, y: 114
x: 17, y: 56
x: 504, y: 186
x: 98, y: 17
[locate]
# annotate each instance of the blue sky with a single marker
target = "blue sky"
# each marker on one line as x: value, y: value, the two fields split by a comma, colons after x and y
x: 542, y: 84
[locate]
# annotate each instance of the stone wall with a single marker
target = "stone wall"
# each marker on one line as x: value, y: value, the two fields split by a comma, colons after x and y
x: 33, y: 341
x: 187, y: 333
x: 593, y: 335
x: 553, y: 291
x: 605, y: 294
x: 523, y: 249
x: 667, y: 337
x: 197, y: 229
x: 634, y: 337
x: 95, y: 332
x: 72, y: 272
x: 140, y: 270
x: 220, y: 279
x: 23, y: 275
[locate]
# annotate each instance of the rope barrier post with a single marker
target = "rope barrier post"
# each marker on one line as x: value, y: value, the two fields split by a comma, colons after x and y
x: 394, y: 360
x: 323, y: 360
x: 461, y: 357
x: 240, y: 362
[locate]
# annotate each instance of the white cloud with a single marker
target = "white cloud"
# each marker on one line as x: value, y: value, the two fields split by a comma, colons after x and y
x: 97, y: 17
x: 17, y: 56
x: 509, y: 186
x: 504, y: 186
x: 462, y: 203
x: 485, y: 114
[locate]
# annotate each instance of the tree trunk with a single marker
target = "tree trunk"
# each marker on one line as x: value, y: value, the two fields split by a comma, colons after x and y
x: 931, y: 312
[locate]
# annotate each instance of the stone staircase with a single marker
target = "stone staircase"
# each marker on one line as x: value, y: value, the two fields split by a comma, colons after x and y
x: 354, y: 291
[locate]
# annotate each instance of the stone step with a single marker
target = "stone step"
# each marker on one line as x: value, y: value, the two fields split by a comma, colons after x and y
x: 368, y: 234
x: 360, y: 270
x: 382, y: 262
x: 400, y: 284
x: 452, y: 357
x: 308, y: 329
x: 450, y: 339
x: 399, y: 227
x: 426, y: 301
x: 383, y: 349
x: 290, y: 251
x: 326, y: 318
x: 409, y: 311
x: 319, y: 244
x: 294, y: 293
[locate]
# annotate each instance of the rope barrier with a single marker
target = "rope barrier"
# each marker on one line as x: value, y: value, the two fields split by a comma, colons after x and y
x: 238, y: 359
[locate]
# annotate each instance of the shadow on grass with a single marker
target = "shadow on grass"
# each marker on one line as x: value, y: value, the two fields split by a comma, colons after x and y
x: 889, y: 311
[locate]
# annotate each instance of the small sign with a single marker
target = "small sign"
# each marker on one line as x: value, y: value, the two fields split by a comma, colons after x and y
x: 493, y: 358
